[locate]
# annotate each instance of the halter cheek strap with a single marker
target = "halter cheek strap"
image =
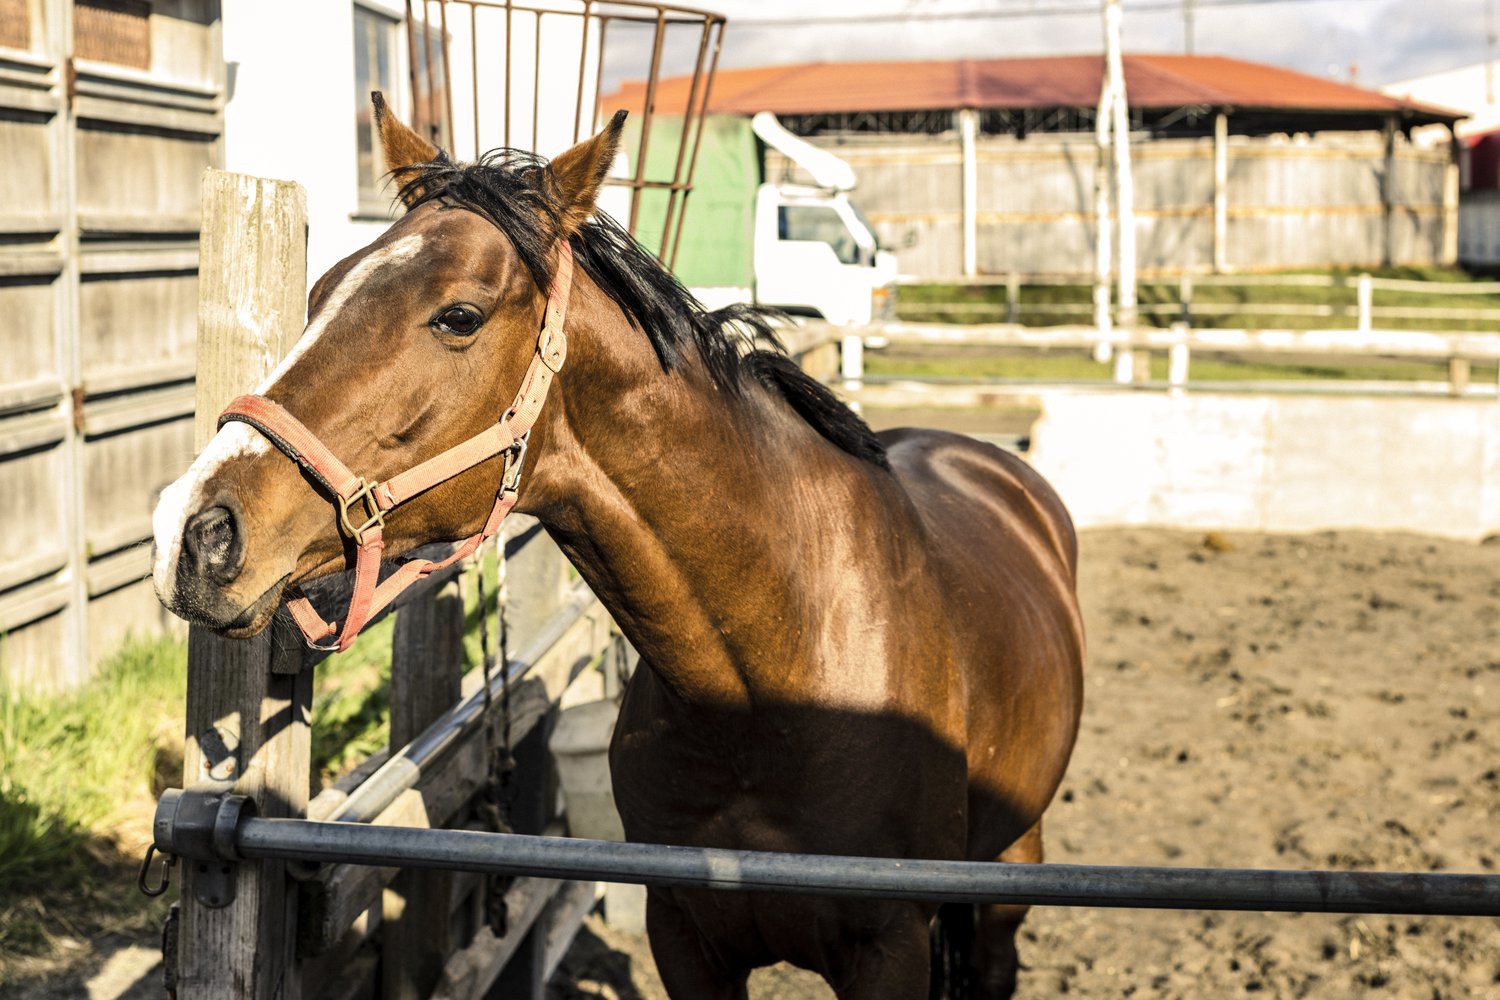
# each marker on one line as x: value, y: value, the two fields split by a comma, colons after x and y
x: 362, y: 505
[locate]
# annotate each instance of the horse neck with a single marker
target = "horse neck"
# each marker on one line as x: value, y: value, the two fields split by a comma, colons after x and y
x: 695, y: 514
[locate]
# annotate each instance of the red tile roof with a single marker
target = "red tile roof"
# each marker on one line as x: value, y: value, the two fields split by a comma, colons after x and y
x: 1152, y: 81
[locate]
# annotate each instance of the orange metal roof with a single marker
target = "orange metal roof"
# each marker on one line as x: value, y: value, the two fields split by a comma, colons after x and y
x: 1152, y: 81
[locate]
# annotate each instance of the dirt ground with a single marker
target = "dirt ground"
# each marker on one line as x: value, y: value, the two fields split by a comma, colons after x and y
x: 1323, y: 701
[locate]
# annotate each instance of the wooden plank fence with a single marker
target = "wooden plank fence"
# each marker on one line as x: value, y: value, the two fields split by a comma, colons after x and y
x: 348, y: 931
x: 1131, y: 349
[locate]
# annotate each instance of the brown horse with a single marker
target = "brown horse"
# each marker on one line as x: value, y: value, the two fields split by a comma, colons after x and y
x: 849, y: 644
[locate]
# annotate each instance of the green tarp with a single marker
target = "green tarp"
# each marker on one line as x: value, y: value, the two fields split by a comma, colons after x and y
x: 719, y: 228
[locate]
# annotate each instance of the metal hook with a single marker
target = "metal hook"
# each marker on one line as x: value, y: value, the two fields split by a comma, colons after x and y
x: 166, y: 872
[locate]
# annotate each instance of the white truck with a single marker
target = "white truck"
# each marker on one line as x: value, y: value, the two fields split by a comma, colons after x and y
x: 800, y: 245
x: 814, y: 249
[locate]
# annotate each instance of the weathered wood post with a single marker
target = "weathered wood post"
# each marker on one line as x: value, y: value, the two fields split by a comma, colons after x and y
x: 427, y: 653
x: 247, y: 700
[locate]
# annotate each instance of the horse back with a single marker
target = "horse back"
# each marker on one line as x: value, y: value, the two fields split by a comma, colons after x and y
x: 1002, y: 552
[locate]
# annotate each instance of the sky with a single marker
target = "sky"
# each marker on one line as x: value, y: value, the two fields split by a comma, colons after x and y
x: 1375, y: 42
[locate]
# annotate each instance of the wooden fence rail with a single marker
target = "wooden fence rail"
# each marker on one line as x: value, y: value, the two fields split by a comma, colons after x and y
x: 1458, y: 349
x: 1363, y: 311
x: 344, y: 931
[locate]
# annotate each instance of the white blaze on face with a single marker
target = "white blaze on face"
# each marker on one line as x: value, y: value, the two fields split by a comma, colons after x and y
x: 237, y: 441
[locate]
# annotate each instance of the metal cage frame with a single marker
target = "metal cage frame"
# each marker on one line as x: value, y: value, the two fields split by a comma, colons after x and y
x: 429, y: 18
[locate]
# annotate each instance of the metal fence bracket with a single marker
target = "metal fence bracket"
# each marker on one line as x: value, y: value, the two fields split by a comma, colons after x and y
x: 200, y: 825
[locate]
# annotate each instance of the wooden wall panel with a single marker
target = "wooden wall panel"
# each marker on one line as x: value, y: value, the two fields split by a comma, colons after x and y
x: 123, y: 474
x: 141, y: 320
x: 33, y: 505
x: 142, y: 180
x: 28, y: 330
x: 27, y: 190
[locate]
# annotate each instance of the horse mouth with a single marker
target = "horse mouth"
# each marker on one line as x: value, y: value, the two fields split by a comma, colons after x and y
x: 257, y: 616
x: 250, y: 621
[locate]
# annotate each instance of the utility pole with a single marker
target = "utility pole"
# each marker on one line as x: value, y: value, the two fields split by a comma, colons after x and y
x: 1489, y: 52
x: 1189, y: 15
x: 1126, y: 366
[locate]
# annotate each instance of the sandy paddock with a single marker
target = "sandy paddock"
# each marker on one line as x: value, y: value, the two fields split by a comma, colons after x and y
x: 1329, y: 700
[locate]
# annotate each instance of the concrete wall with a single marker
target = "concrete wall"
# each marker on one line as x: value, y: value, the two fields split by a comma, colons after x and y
x: 1273, y: 463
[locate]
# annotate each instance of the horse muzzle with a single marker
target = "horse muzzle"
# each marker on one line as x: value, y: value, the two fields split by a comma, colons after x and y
x: 210, y: 560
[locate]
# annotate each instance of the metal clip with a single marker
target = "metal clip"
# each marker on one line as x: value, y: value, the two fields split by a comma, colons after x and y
x: 168, y: 860
x: 515, y: 458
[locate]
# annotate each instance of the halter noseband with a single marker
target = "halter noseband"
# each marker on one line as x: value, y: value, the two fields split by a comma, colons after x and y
x: 363, y: 505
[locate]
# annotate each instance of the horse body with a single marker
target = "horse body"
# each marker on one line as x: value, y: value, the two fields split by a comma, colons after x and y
x: 848, y: 646
x: 880, y: 662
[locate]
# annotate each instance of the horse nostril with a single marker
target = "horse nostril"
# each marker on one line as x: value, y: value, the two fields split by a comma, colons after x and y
x: 212, y: 540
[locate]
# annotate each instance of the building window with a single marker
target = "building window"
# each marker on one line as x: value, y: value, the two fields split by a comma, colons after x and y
x: 374, y: 69
x: 113, y: 31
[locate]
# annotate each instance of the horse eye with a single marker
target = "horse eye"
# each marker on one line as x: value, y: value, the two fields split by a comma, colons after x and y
x: 461, y: 320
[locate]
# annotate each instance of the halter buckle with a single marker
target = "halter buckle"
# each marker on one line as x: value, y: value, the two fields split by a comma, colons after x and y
x: 515, y: 458
x: 376, y: 516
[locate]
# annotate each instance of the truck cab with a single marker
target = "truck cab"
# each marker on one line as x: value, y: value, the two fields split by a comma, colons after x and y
x: 815, y: 252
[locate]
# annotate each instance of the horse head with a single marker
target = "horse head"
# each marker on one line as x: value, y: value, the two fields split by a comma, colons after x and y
x: 414, y: 345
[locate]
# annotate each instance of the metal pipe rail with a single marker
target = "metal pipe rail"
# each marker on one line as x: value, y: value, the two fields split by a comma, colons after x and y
x: 231, y: 833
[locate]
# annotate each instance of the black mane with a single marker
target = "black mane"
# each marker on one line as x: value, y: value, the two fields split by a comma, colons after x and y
x: 511, y: 189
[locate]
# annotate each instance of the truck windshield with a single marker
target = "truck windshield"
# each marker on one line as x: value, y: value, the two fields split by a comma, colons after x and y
x: 819, y: 224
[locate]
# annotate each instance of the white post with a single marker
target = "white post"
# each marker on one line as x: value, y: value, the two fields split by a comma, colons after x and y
x: 1451, y: 181
x: 1124, y: 181
x: 1103, y: 264
x: 1221, y: 193
x: 968, y: 128
x: 1366, y: 297
x: 852, y: 366
x: 1177, y: 366
x: 1388, y: 195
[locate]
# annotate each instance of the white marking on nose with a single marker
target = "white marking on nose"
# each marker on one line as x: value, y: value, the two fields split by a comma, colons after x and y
x: 237, y: 440
x: 184, y: 498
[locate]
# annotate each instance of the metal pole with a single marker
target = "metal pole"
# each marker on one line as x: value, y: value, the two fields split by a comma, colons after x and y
x: 873, y: 878
x: 713, y: 66
x: 648, y: 110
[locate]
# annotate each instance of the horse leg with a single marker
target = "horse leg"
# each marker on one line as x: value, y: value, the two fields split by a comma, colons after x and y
x: 687, y: 967
x: 891, y: 966
x: 995, y: 959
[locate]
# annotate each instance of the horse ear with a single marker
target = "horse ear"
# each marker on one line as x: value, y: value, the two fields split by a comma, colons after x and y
x: 577, y: 175
x: 404, y: 150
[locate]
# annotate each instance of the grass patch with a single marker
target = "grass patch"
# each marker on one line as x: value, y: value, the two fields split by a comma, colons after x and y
x: 979, y: 363
x: 76, y: 774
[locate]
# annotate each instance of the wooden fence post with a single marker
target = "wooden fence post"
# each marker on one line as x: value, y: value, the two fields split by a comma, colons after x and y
x: 247, y: 700
x: 427, y: 652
